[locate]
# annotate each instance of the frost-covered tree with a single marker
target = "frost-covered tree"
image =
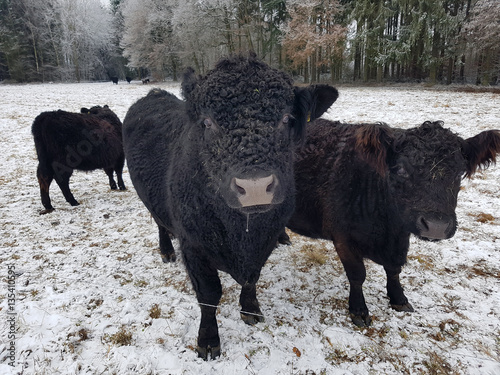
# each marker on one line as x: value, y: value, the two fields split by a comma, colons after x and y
x: 407, y: 39
x: 483, y: 36
x: 85, y: 27
x: 148, y: 40
x: 197, y: 26
x: 53, y: 39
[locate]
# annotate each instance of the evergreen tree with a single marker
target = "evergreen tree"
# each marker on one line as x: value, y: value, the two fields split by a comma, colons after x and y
x: 482, y: 33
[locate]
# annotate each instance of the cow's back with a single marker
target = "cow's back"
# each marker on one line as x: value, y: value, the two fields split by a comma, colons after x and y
x: 65, y: 136
x: 340, y: 196
x: 151, y: 131
x: 319, y: 163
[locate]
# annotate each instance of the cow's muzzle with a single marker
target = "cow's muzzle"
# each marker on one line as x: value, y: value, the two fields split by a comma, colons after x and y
x: 436, y: 229
x: 255, y: 192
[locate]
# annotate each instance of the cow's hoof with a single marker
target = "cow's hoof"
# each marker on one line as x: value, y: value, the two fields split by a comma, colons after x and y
x: 208, y: 352
x: 361, y: 320
x: 252, y: 319
x: 284, y: 239
x: 74, y: 203
x: 407, y: 307
x: 113, y: 187
x: 123, y: 188
x: 168, y: 258
x: 46, y: 211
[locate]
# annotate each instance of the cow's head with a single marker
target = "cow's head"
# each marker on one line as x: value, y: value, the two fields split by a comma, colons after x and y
x: 423, y: 167
x: 248, y: 118
x: 94, y: 110
x: 104, y: 113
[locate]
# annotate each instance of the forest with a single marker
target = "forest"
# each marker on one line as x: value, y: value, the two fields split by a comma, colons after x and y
x: 430, y: 41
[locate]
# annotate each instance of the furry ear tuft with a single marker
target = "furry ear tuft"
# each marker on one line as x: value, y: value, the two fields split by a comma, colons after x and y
x: 372, y: 143
x: 481, y: 150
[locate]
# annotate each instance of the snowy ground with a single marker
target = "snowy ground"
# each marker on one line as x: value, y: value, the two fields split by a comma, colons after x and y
x: 93, y: 297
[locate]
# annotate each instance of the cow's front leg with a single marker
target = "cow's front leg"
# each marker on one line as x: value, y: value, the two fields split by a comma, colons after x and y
x: 206, y: 284
x: 356, y: 273
x: 284, y: 238
x: 250, y: 310
x: 395, y: 292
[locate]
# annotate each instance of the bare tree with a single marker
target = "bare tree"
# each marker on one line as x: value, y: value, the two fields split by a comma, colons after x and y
x: 313, y: 39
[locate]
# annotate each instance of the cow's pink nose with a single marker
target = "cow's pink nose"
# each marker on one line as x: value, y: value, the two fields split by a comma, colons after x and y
x: 254, y: 192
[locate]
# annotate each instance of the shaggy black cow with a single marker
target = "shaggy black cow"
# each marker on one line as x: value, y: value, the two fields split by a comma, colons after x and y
x: 84, y: 141
x: 114, y: 80
x: 129, y: 79
x: 367, y: 187
x: 216, y: 171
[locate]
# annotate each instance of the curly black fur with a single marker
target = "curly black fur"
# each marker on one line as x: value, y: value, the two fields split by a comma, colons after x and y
x: 368, y: 187
x: 240, y: 121
x: 86, y: 141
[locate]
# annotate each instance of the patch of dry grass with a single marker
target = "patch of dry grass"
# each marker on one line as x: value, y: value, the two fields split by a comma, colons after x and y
x: 155, y: 311
x: 120, y: 338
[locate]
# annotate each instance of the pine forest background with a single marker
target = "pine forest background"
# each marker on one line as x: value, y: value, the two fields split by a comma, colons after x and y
x: 433, y: 41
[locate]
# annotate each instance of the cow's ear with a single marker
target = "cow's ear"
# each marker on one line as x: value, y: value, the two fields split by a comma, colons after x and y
x: 85, y: 110
x: 372, y: 143
x: 314, y: 100
x: 310, y: 103
x: 481, y: 150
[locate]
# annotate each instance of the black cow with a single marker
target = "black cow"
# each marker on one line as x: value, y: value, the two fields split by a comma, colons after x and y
x: 216, y: 171
x: 129, y: 79
x: 145, y: 81
x: 85, y: 141
x: 367, y: 187
x: 114, y: 80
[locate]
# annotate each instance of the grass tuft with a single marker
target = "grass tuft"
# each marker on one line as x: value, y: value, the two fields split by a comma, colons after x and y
x: 120, y: 338
x: 314, y: 254
x: 155, y: 311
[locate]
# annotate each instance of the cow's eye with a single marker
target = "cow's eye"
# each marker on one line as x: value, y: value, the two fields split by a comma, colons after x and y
x: 208, y: 123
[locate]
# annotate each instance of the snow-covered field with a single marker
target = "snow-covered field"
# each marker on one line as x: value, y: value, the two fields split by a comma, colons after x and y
x: 93, y: 297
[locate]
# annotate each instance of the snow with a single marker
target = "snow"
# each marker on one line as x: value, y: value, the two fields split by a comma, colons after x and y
x: 87, y: 273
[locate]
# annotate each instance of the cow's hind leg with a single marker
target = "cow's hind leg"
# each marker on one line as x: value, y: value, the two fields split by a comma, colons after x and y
x: 119, y: 172
x: 45, y: 176
x: 397, y: 298
x: 62, y: 180
x: 166, y: 248
x: 356, y: 273
x: 112, y: 183
x: 207, y: 286
x: 250, y: 310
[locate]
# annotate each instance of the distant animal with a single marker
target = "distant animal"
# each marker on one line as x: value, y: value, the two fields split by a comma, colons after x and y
x: 114, y: 80
x: 129, y: 79
x: 216, y: 171
x: 367, y: 187
x: 145, y: 81
x: 66, y: 141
